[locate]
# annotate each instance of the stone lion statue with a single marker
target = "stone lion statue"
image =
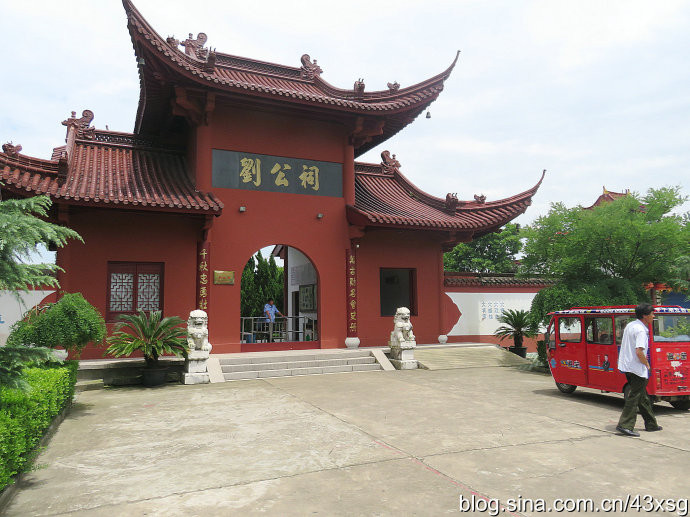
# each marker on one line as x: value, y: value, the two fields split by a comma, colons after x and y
x: 402, y: 327
x: 197, y: 331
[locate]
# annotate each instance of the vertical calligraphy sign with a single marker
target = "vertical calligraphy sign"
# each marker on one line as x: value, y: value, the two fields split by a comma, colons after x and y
x: 351, y: 298
x: 203, y: 276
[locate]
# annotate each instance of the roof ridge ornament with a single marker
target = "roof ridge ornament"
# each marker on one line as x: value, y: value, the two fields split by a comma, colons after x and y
x: 389, y: 164
x: 394, y: 87
x: 451, y: 201
x: 309, y: 70
x: 82, y: 125
x: 194, y: 47
x: 359, y: 87
x: 11, y: 150
x: 481, y: 199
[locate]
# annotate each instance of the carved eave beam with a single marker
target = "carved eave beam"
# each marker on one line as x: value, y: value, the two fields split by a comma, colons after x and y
x: 196, y: 112
x: 451, y: 239
x: 365, y: 129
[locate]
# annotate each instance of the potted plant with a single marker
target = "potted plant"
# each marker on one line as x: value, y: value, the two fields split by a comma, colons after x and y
x: 153, y: 336
x: 516, y: 325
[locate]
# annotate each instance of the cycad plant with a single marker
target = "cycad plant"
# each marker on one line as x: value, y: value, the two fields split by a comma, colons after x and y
x: 516, y: 325
x: 149, y: 333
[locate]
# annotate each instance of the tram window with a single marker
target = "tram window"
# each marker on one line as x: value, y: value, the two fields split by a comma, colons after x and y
x: 599, y: 330
x: 621, y: 322
x: 569, y: 330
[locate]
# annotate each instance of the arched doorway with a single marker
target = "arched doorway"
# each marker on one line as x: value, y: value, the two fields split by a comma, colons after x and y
x: 279, y: 301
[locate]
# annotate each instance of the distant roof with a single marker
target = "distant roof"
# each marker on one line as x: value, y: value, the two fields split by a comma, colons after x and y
x: 107, y: 168
x: 462, y: 279
x: 163, y: 64
x: 386, y: 198
x: 608, y: 196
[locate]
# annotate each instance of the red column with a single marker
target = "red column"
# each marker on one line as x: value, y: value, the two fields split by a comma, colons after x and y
x: 349, y: 175
x: 351, y: 286
x: 203, y: 275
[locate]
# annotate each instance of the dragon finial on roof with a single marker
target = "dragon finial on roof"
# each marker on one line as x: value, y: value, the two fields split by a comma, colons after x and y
x: 359, y: 87
x: 82, y: 125
x: 394, y: 87
x: 10, y: 149
x: 309, y: 70
x: 481, y: 199
x: 194, y: 47
x: 389, y: 164
x: 451, y: 201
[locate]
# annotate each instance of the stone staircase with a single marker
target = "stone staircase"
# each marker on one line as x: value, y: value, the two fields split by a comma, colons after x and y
x: 282, y: 364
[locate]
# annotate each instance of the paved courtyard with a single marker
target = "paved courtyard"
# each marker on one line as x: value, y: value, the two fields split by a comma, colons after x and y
x: 374, y: 443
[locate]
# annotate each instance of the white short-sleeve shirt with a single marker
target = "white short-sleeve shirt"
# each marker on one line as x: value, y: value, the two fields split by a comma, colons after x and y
x: 635, y: 335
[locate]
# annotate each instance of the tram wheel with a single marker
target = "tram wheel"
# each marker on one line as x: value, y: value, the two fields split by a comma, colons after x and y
x: 565, y: 388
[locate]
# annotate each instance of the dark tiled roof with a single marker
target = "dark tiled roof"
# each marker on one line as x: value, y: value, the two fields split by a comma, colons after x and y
x: 453, y: 279
x: 104, y: 173
x: 243, y: 76
x: 389, y: 199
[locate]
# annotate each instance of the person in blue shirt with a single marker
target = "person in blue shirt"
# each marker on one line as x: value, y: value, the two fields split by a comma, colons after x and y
x: 270, y: 311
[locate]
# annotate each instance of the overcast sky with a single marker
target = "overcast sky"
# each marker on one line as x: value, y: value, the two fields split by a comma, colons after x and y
x: 596, y: 92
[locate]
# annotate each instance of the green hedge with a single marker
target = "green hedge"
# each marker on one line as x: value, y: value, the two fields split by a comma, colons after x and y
x: 25, y: 415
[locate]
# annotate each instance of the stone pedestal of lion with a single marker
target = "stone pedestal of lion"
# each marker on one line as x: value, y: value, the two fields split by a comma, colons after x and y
x: 402, y: 341
x: 195, y: 367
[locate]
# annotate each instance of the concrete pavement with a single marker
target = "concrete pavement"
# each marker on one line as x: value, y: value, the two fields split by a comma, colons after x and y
x: 372, y: 443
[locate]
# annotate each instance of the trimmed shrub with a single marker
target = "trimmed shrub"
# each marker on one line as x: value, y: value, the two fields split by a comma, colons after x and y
x: 71, y: 323
x: 25, y: 415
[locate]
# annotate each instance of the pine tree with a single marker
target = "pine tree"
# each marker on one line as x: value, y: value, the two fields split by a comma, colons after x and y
x: 22, y: 229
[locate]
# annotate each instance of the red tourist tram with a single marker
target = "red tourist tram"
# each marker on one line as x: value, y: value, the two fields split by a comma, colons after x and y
x: 583, y: 345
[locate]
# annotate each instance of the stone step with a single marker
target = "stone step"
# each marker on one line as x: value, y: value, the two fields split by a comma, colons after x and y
x: 88, y: 385
x: 228, y: 368
x: 262, y: 357
x: 263, y: 374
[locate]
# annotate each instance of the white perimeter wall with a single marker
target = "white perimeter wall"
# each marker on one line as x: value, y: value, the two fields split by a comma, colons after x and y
x: 301, y: 272
x: 478, y: 311
x: 12, y: 309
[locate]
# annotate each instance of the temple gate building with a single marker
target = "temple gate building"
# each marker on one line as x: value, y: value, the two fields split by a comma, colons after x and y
x: 229, y: 155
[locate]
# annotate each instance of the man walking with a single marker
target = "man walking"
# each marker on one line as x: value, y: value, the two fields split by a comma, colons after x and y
x: 632, y: 361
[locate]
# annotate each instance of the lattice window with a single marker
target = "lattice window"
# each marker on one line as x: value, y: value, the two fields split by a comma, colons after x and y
x: 133, y: 286
x: 121, y: 292
x: 148, y: 291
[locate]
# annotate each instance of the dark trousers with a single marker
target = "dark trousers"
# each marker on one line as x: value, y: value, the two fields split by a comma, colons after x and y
x: 637, y: 399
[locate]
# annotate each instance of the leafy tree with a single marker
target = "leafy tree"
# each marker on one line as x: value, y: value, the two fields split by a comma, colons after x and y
x: 22, y: 229
x: 494, y: 252
x: 261, y: 279
x: 603, y: 256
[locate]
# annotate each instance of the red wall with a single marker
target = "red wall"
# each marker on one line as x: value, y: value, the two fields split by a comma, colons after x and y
x: 398, y: 249
x: 114, y: 235
x: 274, y: 218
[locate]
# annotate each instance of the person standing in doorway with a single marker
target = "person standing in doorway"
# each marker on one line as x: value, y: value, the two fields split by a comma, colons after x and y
x: 632, y: 361
x: 270, y: 311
